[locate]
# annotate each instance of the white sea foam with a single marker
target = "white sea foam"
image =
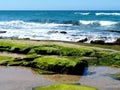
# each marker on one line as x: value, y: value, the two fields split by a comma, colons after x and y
x: 114, y: 14
x: 107, y: 23
x: 101, y: 23
x: 39, y: 31
x: 87, y: 22
x: 28, y: 25
x: 81, y: 13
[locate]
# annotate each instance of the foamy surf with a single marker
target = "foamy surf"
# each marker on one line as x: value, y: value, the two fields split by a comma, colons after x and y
x: 71, y: 31
x: 100, y: 23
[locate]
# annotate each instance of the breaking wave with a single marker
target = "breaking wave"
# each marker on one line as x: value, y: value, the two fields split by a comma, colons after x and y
x: 108, y: 14
x: 100, y: 23
x: 52, y: 31
x: 92, y: 22
x: 82, y: 13
x: 17, y: 24
x: 34, y: 25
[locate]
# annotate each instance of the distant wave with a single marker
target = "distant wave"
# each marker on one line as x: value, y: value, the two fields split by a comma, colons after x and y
x: 82, y: 13
x: 114, y: 14
x: 92, y: 22
x: 100, y: 23
x: 19, y: 24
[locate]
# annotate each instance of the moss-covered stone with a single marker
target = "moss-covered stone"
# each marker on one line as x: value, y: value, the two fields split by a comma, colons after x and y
x: 61, y: 65
x: 59, y: 58
x: 66, y: 87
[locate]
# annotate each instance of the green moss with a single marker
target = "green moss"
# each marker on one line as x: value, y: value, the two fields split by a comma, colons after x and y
x: 118, y: 76
x: 51, y: 56
x: 50, y: 62
x: 14, y: 47
x: 62, y: 51
x: 4, y: 59
x: 60, y: 64
x: 66, y: 87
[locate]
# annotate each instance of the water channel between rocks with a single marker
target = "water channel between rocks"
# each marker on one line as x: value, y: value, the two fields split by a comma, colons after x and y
x: 101, y: 77
x: 20, y: 78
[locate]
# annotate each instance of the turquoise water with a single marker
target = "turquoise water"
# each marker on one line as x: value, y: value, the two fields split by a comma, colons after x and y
x: 48, y: 25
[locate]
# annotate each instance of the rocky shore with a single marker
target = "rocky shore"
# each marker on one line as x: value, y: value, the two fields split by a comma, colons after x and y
x: 55, y: 57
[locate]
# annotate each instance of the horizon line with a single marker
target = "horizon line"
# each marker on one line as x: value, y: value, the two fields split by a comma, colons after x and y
x: 56, y: 10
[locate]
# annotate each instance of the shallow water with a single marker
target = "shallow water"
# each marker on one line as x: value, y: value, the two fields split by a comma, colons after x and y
x: 19, y: 78
x: 100, y: 78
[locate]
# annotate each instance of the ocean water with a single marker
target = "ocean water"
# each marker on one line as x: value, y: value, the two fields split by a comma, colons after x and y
x: 48, y: 25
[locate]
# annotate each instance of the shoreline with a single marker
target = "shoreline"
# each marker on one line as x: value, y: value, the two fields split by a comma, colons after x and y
x: 35, y: 52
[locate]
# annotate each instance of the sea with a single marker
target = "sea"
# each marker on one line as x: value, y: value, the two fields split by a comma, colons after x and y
x: 72, y: 26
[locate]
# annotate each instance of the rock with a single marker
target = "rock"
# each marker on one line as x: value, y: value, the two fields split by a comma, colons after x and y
x: 74, y: 35
x: 3, y: 31
x: 110, y: 43
x: 63, y: 32
x: 83, y: 40
x: 97, y: 42
x: 80, y: 68
x: 26, y: 38
x: 117, y: 41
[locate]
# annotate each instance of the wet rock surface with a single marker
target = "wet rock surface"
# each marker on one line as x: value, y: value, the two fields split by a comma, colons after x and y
x: 17, y: 78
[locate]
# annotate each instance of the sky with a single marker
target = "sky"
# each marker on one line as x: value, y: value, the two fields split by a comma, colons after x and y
x: 59, y: 4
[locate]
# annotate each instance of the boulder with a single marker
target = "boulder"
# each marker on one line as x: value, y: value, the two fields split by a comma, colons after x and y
x: 63, y: 32
x: 3, y: 31
x: 83, y: 40
x: 117, y: 41
x: 97, y: 42
x: 110, y: 43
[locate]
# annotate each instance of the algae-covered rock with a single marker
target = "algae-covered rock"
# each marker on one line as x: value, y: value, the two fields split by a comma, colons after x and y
x: 66, y: 87
x: 61, y: 65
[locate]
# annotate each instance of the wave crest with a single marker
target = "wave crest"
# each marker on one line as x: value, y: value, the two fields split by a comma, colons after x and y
x: 108, y: 14
x: 82, y: 13
x: 101, y: 23
x: 91, y: 22
x: 19, y: 24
